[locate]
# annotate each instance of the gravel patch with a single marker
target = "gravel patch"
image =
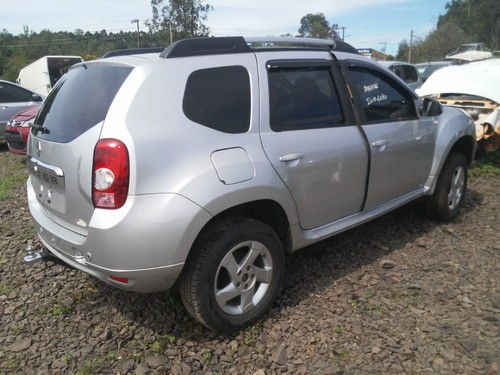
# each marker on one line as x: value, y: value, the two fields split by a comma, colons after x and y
x: 399, y: 295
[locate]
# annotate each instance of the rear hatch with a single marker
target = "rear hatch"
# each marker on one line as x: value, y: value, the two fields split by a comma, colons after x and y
x: 61, y: 145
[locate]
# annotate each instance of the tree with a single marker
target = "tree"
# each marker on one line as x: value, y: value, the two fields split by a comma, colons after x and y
x: 477, y: 18
x: 316, y: 26
x: 179, y: 19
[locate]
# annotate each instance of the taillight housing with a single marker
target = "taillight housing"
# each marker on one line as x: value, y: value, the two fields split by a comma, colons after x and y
x: 110, y: 174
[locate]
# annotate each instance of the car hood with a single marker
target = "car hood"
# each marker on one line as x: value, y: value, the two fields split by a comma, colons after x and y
x: 481, y: 78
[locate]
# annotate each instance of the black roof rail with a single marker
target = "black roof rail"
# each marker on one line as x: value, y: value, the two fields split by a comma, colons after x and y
x: 206, y: 46
x: 238, y: 44
x: 132, y: 51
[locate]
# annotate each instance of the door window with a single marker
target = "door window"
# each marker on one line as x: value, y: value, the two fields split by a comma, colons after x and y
x: 14, y: 94
x: 382, y: 99
x: 303, y: 98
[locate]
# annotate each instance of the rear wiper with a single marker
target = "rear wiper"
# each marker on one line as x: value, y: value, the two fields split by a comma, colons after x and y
x: 40, y: 128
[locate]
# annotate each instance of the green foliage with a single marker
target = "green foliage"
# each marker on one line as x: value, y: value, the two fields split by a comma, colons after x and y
x: 465, y: 21
x: 314, y: 26
x: 12, y: 175
x: 90, y: 367
x: 477, y: 18
x: 486, y: 164
x: 5, y: 289
x: 179, y: 19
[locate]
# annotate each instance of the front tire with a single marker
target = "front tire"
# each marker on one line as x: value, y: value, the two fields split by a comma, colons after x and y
x: 445, y: 203
x: 233, y: 275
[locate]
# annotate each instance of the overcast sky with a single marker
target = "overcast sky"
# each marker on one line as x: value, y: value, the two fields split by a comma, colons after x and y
x: 368, y: 23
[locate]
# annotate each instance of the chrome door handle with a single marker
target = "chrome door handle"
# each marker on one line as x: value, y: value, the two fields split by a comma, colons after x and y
x: 291, y: 157
x: 380, y: 143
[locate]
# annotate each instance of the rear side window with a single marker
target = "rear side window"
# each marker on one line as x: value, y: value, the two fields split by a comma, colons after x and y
x: 80, y: 100
x: 383, y: 99
x: 219, y: 98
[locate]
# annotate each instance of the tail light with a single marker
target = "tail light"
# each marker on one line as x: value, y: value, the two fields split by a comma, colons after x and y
x: 110, y: 177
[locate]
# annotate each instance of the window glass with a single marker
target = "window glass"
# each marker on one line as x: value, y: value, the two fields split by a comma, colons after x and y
x: 382, y: 98
x: 14, y: 94
x: 84, y: 96
x: 410, y: 73
x: 303, y: 98
x: 219, y: 98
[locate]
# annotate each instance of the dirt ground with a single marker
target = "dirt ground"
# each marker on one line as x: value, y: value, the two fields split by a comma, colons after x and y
x: 401, y: 294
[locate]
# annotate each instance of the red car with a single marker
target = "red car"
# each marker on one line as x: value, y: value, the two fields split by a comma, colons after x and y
x: 17, y: 130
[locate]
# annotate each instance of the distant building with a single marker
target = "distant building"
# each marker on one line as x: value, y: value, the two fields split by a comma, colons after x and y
x: 372, y: 53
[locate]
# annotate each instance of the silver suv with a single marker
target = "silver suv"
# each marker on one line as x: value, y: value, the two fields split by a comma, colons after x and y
x: 209, y: 162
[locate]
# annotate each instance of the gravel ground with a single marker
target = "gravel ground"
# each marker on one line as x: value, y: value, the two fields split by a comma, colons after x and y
x: 401, y: 295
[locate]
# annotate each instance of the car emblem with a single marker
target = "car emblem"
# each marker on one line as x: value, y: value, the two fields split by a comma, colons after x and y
x: 38, y: 148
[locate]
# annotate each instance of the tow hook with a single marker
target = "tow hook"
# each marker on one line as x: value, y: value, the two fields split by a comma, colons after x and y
x: 36, y: 256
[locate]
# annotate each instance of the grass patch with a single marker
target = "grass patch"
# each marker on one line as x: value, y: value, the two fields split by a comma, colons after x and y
x: 13, y: 174
x: 60, y: 309
x: 486, y: 164
x: 5, y: 289
x: 90, y: 367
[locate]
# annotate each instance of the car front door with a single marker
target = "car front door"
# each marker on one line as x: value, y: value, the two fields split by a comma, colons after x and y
x: 311, y: 138
x: 401, y: 143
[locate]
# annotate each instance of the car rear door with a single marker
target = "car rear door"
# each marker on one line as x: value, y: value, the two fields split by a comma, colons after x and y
x: 310, y: 136
x: 61, y: 146
x: 401, y: 144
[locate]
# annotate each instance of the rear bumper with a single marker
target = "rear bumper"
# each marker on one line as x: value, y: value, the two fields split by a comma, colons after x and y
x: 146, y: 242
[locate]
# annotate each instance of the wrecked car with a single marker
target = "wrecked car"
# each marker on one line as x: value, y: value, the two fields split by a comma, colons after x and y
x: 473, y: 87
x: 470, y: 52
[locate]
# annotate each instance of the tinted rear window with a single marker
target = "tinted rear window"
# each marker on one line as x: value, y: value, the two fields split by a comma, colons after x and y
x: 80, y: 101
x: 219, y: 98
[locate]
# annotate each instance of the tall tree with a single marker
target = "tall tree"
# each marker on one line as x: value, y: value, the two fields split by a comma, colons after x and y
x: 315, y: 26
x: 179, y: 19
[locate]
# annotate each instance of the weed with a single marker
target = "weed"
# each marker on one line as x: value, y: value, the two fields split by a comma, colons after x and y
x: 110, y: 356
x: 68, y: 357
x: 90, y: 367
x: 170, y: 339
x: 486, y: 164
x: 170, y: 297
x: 5, y: 289
x: 353, y: 302
x: 12, y: 363
x: 207, y: 354
x: 248, y: 337
x: 60, y: 309
x: 123, y: 321
x: 156, y: 346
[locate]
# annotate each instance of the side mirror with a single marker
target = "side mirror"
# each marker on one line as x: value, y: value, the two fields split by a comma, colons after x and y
x: 37, y: 98
x: 431, y: 108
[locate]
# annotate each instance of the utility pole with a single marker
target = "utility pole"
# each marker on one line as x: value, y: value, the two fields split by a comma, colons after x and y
x: 385, y: 45
x: 138, y: 35
x: 343, y: 31
x: 409, y: 50
x: 336, y: 27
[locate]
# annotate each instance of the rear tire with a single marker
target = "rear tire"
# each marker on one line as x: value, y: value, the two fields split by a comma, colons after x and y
x: 445, y: 203
x: 233, y: 275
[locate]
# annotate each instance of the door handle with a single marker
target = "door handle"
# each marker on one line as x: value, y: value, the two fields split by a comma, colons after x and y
x: 380, y: 143
x: 291, y: 157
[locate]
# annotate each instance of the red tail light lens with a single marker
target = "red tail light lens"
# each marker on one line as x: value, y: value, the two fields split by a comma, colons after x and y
x: 110, y: 177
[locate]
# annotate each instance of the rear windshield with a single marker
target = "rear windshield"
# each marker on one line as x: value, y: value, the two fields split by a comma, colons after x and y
x: 79, y: 101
